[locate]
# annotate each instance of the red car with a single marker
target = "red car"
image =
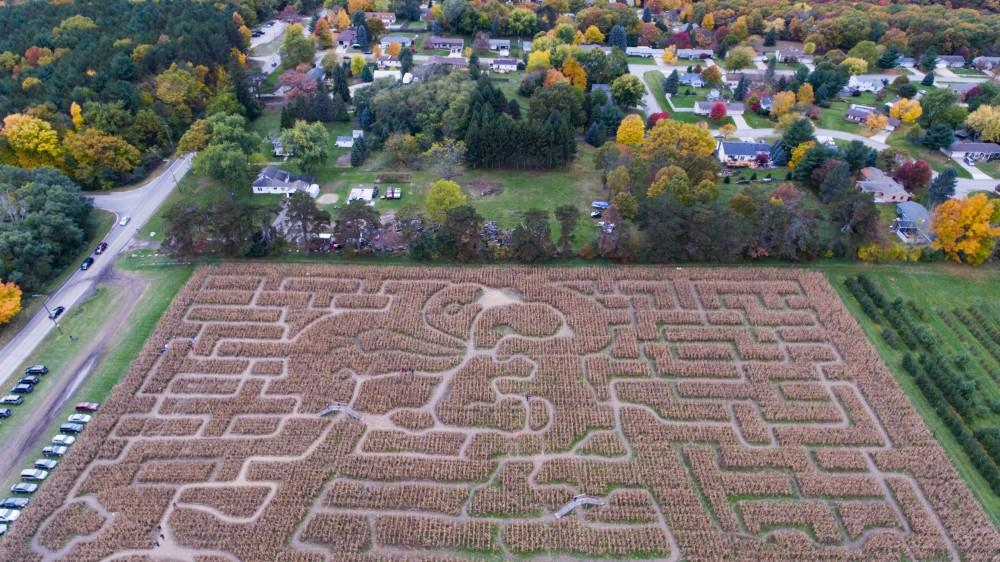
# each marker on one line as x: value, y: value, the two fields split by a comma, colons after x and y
x: 100, y: 248
x: 87, y: 407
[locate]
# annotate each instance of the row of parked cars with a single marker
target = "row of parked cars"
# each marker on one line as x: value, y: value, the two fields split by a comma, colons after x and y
x: 25, y: 385
x: 10, y: 508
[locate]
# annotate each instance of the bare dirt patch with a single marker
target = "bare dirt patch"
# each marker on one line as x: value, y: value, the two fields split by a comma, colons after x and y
x: 344, y: 161
x: 482, y: 187
x: 327, y: 199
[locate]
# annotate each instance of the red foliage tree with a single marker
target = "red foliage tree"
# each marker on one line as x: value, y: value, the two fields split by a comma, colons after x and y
x: 682, y: 40
x: 298, y: 84
x: 914, y: 174
x: 718, y: 112
x: 656, y: 117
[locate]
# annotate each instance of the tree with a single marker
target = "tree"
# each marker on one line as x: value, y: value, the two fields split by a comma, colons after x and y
x: 669, y: 55
x: 858, y: 155
x: 445, y: 157
x: 888, y: 58
x: 798, y: 153
x: 354, y: 220
x: 937, y: 136
x: 593, y: 35
x: 928, y: 61
x: 310, y: 219
x: 858, y: 218
x: 343, y: 20
x: 708, y: 22
x: 712, y: 75
x: 630, y: 131
x: 619, y: 180
x: 671, y: 82
x: 443, y: 196
x: 906, y: 110
x: 460, y: 236
x: 626, y: 204
x: 98, y: 160
x: 986, y: 121
x: 226, y: 163
x: 34, y: 142
x: 964, y: 229
x: 928, y: 79
x: 403, y: 149
x: 577, y: 76
x: 805, y: 95
x: 297, y: 48
x: 943, y: 186
x: 876, y: 122
x: 357, y: 65
x: 799, y: 132
x: 361, y: 37
x: 837, y: 182
x: 914, y: 174
x: 538, y: 60
x: 10, y: 301
x: 596, y: 135
x: 742, y: 89
x: 531, y: 241
x: 567, y: 216
x: 617, y: 37
x: 322, y: 33
x: 937, y: 105
x: 740, y: 57
x: 718, y: 111
x: 405, y: 61
x: 308, y: 142
x: 782, y: 104
x: 680, y: 137
x: 854, y: 65
x: 368, y: 76
x: 359, y: 152
x: 627, y: 90
x: 340, y: 87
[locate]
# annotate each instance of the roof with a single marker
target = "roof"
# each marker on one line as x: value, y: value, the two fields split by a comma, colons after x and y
x: 347, y: 35
x: 874, y: 180
x: 988, y: 147
x: 888, y: 78
x: 737, y: 148
x: 708, y: 105
x: 499, y: 42
x: 272, y: 176
x: 316, y: 73
x: 435, y: 40
x: 951, y: 58
x: 690, y: 77
x: 857, y: 113
x: 986, y: 59
x: 449, y: 61
x: 396, y: 39
x: 911, y: 211
x: 750, y: 76
x: 506, y: 62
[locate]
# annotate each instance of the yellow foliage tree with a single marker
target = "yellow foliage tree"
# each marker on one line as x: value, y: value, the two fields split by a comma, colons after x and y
x: 357, y: 65
x: 876, y: 122
x: 575, y: 72
x: 906, y: 110
x: 728, y: 130
x: 538, y: 60
x: 76, y: 115
x: 682, y: 137
x: 670, y: 55
x: 806, y: 96
x: 798, y: 152
x: 855, y: 65
x: 965, y: 228
x: 986, y: 121
x: 34, y: 142
x: 593, y: 35
x: 782, y: 103
x: 343, y: 20
x: 443, y: 196
x: 10, y: 301
x: 324, y: 39
x: 630, y: 131
x: 708, y: 22
x: 395, y: 49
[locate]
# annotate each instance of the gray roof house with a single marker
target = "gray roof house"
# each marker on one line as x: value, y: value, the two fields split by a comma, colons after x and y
x: 973, y: 150
x: 912, y: 223
x: 694, y: 53
x: 884, y: 188
x: 499, y: 44
x: 951, y: 61
x: 986, y: 63
x: 402, y: 40
x: 738, y: 154
x: 691, y: 79
x: 274, y: 180
x: 346, y: 38
x: 435, y: 42
x: 316, y: 73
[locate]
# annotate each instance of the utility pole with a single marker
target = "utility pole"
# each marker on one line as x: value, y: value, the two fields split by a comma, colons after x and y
x: 45, y: 304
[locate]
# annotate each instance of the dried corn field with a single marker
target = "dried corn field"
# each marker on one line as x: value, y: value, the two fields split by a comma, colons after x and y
x: 709, y: 414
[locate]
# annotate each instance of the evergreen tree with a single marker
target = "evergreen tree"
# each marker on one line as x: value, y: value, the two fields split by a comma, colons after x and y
x: 742, y: 87
x: 365, y: 119
x: 888, y: 58
x: 858, y: 155
x: 362, y: 36
x: 531, y: 241
x: 514, y: 109
x: 596, y: 135
x: 928, y: 62
x: 340, y: 86
x: 474, y: 70
x: 617, y: 37
x: 366, y: 74
x: 943, y: 187
x: 287, y: 120
x: 779, y: 156
x: 323, y: 108
x: 770, y: 38
x: 647, y: 16
x: 359, y: 152
x: 836, y: 184
x: 339, y: 109
x: 938, y: 136
x: 567, y: 215
x: 928, y: 79
x: 671, y: 82
x: 358, y: 19
x: 801, y: 131
x: 405, y: 61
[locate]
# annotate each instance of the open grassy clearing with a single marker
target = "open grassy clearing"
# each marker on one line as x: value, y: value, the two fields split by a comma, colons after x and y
x: 936, y: 159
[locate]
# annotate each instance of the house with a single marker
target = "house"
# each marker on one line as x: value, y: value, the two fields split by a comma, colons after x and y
x: 713, y: 95
x: 694, y: 53
x: 379, y: 74
x: 403, y: 41
x: 387, y: 18
x: 499, y: 45
x: 273, y: 180
x: 526, y: 46
x: 587, y: 47
x: 950, y: 61
x: 643, y: 52
x: 884, y: 188
x: 912, y: 223
x: 444, y: 43
x: 974, y: 151
x: 448, y: 61
x: 792, y: 55
x: 986, y: 63
x: 691, y: 79
x: 906, y: 62
x: 279, y: 148
x: 732, y: 79
x: 388, y: 61
x: 503, y: 65
x: 766, y: 103
x: 960, y: 88
x: 316, y: 74
x: 869, y: 82
x: 705, y: 108
x: 740, y: 154
x: 348, y: 141
x: 346, y: 38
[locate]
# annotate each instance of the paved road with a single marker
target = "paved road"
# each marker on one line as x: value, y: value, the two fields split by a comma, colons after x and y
x: 139, y: 204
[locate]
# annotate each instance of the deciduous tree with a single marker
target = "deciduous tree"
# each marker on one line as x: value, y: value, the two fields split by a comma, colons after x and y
x: 630, y: 131
x: 10, y: 301
x: 966, y: 229
x: 443, y: 196
x: 906, y: 110
x: 627, y: 90
x: 296, y: 47
x: 34, y: 142
x: 308, y: 142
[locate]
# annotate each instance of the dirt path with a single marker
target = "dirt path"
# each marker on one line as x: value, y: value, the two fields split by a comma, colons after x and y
x: 27, y: 441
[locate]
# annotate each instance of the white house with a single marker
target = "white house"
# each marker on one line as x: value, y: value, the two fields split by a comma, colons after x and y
x: 950, y: 61
x: 273, y: 180
x: 705, y: 108
x: 869, y: 82
x: 694, y: 53
x: 975, y: 151
x: 739, y: 154
x: 348, y: 141
x: 387, y: 18
x: 403, y: 41
x: 503, y: 65
x: 691, y: 79
x: 499, y: 45
x: 388, y: 61
x: 643, y: 52
x: 884, y: 188
x: 279, y: 148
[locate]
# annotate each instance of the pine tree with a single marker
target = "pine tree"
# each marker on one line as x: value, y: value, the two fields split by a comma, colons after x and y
x: 646, y: 15
x: 670, y: 83
x: 943, y: 187
x: 888, y: 58
x: 770, y: 38
x: 405, y: 61
x: 741, y: 88
x: 836, y: 184
x: 340, y: 86
x: 928, y: 79
x: 362, y: 36
x: 366, y: 74
x: 514, y: 109
x: 595, y: 134
x: 617, y: 37
x: 322, y: 105
x: 474, y: 69
x: 359, y: 152
x: 287, y: 120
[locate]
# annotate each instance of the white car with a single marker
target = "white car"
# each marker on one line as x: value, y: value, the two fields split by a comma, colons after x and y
x: 64, y: 440
x: 46, y: 464
x: 34, y: 474
x: 3, y: 530
x: 124, y: 220
x: 79, y: 418
x: 9, y: 515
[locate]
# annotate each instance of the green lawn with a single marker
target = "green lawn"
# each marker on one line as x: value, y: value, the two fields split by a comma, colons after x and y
x: 102, y: 222
x: 833, y: 118
x: 936, y: 159
x: 757, y: 121
x: 991, y: 169
x: 966, y: 72
x: 85, y: 321
x: 937, y: 290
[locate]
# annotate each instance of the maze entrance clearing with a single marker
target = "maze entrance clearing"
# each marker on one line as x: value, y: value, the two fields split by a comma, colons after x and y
x: 311, y: 413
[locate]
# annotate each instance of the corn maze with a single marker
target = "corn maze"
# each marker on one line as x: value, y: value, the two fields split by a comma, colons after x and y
x: 704, y: 414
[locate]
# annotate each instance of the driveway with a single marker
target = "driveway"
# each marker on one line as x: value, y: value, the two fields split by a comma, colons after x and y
x: 977, y: 174
x: 740, y: 122
x: 139, y: 204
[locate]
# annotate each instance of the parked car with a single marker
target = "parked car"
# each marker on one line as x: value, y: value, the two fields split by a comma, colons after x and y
x: 57, y: 311
x: 34, y: 474
x: 23, y: 389
x: 54, y: 451
x: 87, y: 262
x: 46, y: 464
x: 71, y: 427
x: 64, y: 440
x: 37, y: 370
x: 79, y: 418
x: 30, y: 379
x: 124, y: 220
x: 11, y: 399
x: 596, y: 215
x: 3, y: 529
x: 24, y: 488
x: 9, y: 515
x: 100, y: 248
x: 4, y: 412
x: 15, y: 503
x: 87, y: 407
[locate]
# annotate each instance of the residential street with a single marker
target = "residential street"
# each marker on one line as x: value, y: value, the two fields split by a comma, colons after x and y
x: 139, y: 204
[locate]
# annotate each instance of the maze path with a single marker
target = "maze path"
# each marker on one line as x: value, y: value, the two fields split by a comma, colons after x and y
x: 710, y: 413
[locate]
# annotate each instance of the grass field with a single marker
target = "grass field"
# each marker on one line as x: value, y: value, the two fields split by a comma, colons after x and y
x: 932, y: 288
x: 937, y: 160
x: 991, y: 169
x: 102, y: 222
